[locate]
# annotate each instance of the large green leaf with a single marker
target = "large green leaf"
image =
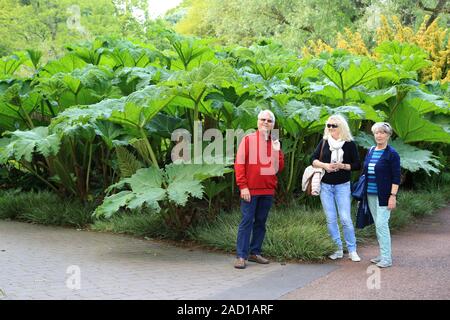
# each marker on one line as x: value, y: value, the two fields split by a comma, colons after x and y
x: 110, y: 133
x: 411, y: 127
x: 180, y: 190
x: 331, y: 91
x: 66, y: 64
x: 347, y: 71
x: 145, y: 189
x: 164, y: 125
x: 132, y: 79
x: 425, y: 102
x: 375, y: 97
x: 191, y: 52
x: 9, y: 65
x: 23, y: 144
x: 83, y: 86
x: 132, y: 112
x: 408, y: 56
x: 180, y: 172
x: 91, y: 52
x: 113, y: 203
x: 149, y: 186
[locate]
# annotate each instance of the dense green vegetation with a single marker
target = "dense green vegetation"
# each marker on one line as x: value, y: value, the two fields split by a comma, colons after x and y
x: 100, y: 118
x: 88, y: 119
x: 293, y: 22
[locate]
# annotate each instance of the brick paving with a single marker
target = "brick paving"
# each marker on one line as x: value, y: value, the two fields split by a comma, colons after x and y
x: 42, y: 262
x: 420, y: 271
x: 34, y: 262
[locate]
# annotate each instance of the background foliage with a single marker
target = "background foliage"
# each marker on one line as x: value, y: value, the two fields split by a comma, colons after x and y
x: 92, y: 119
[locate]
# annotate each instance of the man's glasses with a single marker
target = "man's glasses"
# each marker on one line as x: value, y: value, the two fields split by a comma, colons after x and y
x: 332, y: 125
x: 265, y: 120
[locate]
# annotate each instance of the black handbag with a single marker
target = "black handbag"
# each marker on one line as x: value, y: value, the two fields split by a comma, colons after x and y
x: 358, y: 188
x: 363, y: 216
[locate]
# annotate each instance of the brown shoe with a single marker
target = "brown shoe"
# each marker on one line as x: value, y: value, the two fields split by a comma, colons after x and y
x: 258, y: 259
x: 239, y: 263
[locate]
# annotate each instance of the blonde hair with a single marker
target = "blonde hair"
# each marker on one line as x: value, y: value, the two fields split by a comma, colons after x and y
x: 344, y: 130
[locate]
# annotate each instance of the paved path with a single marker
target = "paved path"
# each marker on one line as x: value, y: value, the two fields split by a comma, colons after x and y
x: 41, y: 262
x: 421, y: 270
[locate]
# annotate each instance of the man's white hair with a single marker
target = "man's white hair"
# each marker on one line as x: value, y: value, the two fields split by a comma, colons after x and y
x: 272, y: 116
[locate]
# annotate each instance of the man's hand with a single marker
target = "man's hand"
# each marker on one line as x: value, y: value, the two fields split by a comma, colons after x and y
x: 276, y: 145
x: 245, y: 194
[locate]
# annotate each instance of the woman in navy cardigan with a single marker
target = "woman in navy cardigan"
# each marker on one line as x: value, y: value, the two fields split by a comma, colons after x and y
x: 382, y: 169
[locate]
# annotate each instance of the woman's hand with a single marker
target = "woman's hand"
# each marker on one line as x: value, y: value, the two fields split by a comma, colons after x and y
x: 245, y: 194
x: 330, y: 167
x: 343, y: 166
x: 392, y: 203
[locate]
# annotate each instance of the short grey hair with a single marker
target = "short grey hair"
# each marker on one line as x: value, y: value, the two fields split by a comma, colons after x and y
x: 383, y: 126
x: 272, y: 116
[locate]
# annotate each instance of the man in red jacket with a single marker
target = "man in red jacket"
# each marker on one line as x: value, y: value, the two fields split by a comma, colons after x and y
x: 258, y: 160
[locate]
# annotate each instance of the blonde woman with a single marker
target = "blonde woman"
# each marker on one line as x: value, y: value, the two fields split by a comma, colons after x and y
x: 339, y: 158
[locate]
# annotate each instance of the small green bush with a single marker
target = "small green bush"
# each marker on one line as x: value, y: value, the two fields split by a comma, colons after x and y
x: 44, y: 207
x: 292, y: 233
x: 141, y: 224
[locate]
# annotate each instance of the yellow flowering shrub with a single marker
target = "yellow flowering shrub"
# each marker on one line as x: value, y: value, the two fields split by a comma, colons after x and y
x: 314, y: 48
x: 352, y: 42
x: 433, y: 39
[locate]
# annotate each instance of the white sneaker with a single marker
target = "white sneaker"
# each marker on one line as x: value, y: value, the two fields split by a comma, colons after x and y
x: 354, y: 256
x: 337, y: 255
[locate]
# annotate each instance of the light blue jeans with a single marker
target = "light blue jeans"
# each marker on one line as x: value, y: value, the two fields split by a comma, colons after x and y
x: 381, y: 217
x: 339, y: 194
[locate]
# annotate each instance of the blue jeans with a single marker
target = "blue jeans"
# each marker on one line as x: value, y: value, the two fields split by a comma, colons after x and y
x: 339, y: 194
x: 381, y: 217
x: 253, y: 223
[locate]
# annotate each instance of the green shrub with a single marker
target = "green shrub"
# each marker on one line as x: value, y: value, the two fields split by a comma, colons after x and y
x: 292, y: 233
x: 135, y: 223
x: 44, y: 207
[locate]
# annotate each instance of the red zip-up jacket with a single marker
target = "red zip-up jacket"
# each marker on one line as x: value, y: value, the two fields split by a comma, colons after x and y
x: 257, y: 164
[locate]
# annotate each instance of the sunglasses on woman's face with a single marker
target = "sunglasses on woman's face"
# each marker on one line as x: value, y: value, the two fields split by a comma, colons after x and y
x: 332, y: 125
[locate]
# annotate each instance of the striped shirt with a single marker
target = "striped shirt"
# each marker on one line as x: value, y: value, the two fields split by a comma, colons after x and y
x: 371, y: 178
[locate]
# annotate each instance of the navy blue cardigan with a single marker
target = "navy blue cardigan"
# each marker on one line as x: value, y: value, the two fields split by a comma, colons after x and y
x: 387, y: 172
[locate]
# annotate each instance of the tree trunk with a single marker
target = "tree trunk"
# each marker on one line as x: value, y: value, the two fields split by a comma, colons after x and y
x: 440, y: 8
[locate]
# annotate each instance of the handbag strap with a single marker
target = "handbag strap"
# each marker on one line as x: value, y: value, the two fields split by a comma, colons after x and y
x: 364, y: 162
x: 321, y: 150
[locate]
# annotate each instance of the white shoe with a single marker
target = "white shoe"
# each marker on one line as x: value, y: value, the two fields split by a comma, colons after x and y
x: 354, y: 256
x: 337, y: 255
